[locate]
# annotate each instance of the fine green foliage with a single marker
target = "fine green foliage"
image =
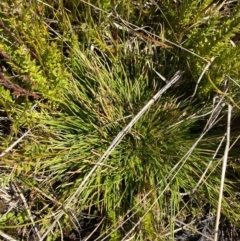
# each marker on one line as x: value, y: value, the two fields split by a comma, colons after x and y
x: 34, y: 58
x: 74, y: 76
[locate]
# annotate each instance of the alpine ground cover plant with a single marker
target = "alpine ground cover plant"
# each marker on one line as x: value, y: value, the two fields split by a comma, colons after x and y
x: 73, y: 75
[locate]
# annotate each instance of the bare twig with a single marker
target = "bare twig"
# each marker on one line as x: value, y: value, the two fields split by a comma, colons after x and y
x: 14, y: 144
x: 204, y: 71
x: 185, y: 226
x: 224, y: 166
x: 17, y: 90
x: 234, y: 81
x: 28, y: 210
x: 206, y: 170
x: 215, y: 112
x: 90, y: 235
x: 211, y: 121
x: 6, y: 236
x: 7, y: 58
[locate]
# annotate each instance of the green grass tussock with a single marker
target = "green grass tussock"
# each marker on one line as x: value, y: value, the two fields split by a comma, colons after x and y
x: 73, y: 74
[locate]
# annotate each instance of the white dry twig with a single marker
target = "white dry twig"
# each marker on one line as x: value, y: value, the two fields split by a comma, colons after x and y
x: 18, y: 140
x: 6, y: 236
x: 14, y: 144
x: 234, y: 81
x: 211, y: 121
x: 90, y: 235
x: 200, y: 77
x: 185, y: 226
x: 224, y: 166
x: 207, y: 168
x: 28, y: 210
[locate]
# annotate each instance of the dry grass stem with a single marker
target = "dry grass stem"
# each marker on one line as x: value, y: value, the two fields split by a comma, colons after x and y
x: 7, y: 237
x: 224, y: 167
x: 14, y: 144
x: 28, y: 211
x: 203, y: 72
